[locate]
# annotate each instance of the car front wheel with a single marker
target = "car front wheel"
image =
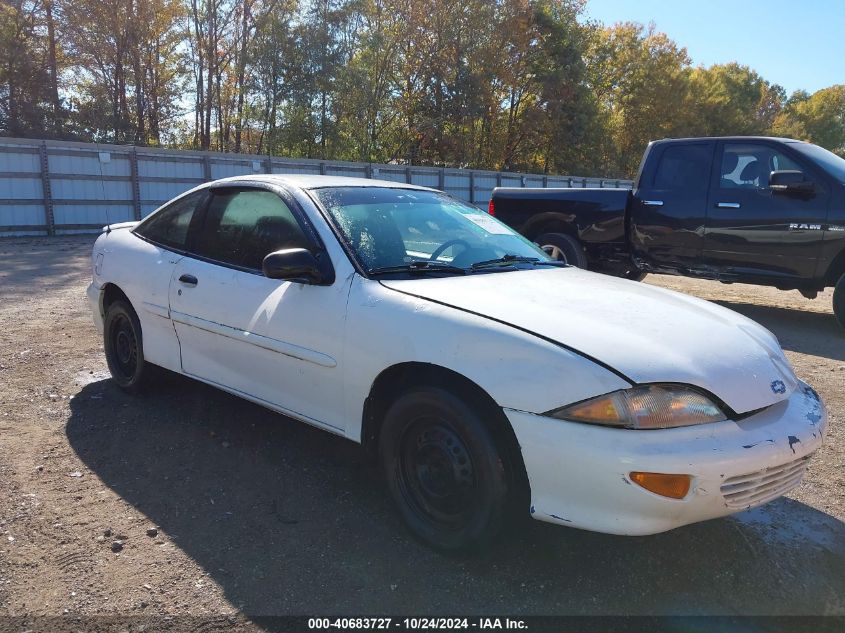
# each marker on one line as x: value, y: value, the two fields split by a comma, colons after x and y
x: 839, y: 300
x: 124, y: 349
x: 444, y: 470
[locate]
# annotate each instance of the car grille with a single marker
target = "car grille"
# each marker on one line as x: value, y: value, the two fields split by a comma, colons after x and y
x: 744, y: 491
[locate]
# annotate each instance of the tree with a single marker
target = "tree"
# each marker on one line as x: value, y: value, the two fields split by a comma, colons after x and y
x: 29, y: 67
x: 527, y: 85
x: 728, y: 99
x: 126, y: 75
x: 640, y: 80
x: 819, y: 118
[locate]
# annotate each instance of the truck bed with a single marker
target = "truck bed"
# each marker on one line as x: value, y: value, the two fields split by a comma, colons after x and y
x: 597, y: 214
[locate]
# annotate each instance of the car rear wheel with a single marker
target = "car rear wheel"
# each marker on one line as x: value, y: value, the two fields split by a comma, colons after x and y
x: 123, y: 346
x: 444, y: 470
x: 563, y: 248
x: 839, y: 300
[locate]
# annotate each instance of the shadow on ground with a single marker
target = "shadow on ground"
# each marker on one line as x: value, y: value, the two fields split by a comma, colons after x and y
x: 814, y: 333
x: 291, y: 520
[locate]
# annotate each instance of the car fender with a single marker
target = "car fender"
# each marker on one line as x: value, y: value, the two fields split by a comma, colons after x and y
x: 517, y: 369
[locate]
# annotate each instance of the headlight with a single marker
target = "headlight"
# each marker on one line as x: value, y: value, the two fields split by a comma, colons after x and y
x: 646, y: 407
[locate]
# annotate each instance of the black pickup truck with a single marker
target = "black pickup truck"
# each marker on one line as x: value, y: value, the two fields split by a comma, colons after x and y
x: 758, y: 210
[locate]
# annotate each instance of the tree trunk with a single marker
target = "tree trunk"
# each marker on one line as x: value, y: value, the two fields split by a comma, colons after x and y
x: 53, y: 66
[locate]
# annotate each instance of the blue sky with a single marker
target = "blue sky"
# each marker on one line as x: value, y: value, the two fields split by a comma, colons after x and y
x: 797, y: 44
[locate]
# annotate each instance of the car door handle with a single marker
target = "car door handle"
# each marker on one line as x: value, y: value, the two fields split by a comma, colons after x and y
x: 653, y: 203
x: 728, y: 205
x: 188, y: 280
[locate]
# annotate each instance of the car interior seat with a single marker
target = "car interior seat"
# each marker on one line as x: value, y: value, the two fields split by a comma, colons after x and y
x: 272, y: 233
x: 377, y: 239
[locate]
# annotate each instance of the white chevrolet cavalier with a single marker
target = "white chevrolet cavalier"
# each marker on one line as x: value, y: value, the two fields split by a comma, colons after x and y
x: 491, y: 381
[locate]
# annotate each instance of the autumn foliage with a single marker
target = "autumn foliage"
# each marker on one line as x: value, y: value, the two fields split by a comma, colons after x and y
x: 503, y: 84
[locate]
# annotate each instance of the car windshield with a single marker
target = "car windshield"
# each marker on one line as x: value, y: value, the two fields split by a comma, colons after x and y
x: 419, y: 230
x: 830, y: 162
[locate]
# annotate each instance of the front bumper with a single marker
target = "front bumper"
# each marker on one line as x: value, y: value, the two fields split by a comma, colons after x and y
x: 579, y: 473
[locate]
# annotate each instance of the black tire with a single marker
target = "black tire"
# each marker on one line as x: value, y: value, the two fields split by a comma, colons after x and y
x: 445, y: 470
x: 124, y: 348
x: 563, y: 248
x: 634, y: 274
x: 839, y: 300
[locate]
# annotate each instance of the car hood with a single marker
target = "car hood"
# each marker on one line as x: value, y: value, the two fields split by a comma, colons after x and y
x: 648, y: 334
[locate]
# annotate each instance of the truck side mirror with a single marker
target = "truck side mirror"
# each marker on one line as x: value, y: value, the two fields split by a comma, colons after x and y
x: 790, y: 181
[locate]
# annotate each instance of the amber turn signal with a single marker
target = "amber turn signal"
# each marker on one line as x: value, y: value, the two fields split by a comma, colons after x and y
x: 672, y: 486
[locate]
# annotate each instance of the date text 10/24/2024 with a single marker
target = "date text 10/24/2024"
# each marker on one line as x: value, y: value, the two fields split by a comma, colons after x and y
x: 417, y: 624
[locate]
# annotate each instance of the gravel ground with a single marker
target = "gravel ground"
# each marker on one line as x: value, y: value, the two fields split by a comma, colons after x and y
x: 191, y: 502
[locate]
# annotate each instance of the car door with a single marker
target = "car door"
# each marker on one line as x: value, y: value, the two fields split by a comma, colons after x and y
x: 669, y: 205
x: 273, y: 341
x: 147, y: 268
x: 752, y: 230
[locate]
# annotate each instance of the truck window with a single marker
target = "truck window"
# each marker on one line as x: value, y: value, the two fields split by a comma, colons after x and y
x: 748, y: 165
x: 683, y: 167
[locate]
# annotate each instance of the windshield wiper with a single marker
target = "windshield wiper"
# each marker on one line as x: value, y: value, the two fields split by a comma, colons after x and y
x: 418, y: 267
x: 508, y: 260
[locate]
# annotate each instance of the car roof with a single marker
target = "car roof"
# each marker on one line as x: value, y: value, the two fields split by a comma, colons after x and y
x: 729, y: 138
x: 309, y: 181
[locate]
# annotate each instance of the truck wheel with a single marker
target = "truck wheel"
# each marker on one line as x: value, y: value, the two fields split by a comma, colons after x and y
x: 445, y: 470
x: 563, y: 248
x: 839, y: 300
x: 634, y: 274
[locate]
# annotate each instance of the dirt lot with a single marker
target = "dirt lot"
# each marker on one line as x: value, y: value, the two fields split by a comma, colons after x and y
x: 256, y: 514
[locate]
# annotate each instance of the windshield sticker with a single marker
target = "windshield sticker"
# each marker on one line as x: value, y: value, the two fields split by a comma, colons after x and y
x: 488, y: 224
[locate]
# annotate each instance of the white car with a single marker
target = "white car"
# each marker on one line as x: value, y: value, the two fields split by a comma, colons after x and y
x: 490, y: 380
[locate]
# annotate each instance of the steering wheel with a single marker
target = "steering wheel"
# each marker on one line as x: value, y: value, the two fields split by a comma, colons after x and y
x: 442, y: 248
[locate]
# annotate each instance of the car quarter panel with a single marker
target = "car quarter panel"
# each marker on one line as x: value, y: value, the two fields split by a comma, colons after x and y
x: 518, y: 370
x: 142, y: 271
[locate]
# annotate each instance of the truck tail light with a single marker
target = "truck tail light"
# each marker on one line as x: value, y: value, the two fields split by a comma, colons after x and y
x: 491, y: 208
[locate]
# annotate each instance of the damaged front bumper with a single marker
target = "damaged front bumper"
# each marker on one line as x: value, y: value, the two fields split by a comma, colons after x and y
x: 579, y: 473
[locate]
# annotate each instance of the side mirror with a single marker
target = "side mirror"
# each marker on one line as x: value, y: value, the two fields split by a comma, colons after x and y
x: 790, y: 181
x: 299, y: 265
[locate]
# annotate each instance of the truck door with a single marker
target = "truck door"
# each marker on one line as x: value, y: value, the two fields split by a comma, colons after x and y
x: 669, y: 205
x: 752, y: 231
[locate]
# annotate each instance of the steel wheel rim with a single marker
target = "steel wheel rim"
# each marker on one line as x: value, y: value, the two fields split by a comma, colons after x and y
x: 124, y: 346
x: 436, y: 475
x: 555, y: 253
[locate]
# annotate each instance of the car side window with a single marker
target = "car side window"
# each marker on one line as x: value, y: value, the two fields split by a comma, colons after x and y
x: 683, y: 167
x: 748, y: 165
x: 169, y: 226
x: 242, y: 227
